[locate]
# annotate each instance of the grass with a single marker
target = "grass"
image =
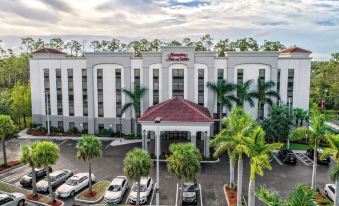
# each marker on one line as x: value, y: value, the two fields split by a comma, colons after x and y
x: 298, y: 146
x: 98, y: 188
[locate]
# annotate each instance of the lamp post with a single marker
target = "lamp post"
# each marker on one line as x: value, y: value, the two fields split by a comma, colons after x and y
x: 120, y: 129
x: 157, y: 122
x: 47, y: 113
x: 144, y: 140
x: 289, y: 106
x: 82, y: 129
x: 205, y: 137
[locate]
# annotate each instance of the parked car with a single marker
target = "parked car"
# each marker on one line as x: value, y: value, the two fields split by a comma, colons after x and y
x: 287, y: 156
x: 330, y: 191
x: 12, y: 199
x: 310, y: 154
x: 57, y: 178
x: 146, y: 185
x: 190, y: 193
x: 116, y: 190
x: 27, y: 179
x: 74, y: 184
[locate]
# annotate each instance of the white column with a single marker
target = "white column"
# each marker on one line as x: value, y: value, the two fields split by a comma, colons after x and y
x: 194, y: 140
x: 206, y: 147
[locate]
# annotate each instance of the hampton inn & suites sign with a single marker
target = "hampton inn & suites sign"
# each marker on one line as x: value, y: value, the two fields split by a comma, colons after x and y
x: 177, y: 57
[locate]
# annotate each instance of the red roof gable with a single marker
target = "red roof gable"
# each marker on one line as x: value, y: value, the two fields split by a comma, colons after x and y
x: 177, y: 109
x: 48, y: 51
x: 295, y: 49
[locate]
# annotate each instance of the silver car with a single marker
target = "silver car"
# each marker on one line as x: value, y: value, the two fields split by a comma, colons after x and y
x: 57, y: 178
x: 12, y: 199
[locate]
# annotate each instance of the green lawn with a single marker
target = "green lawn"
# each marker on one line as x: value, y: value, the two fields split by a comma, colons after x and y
x: 297, y: 146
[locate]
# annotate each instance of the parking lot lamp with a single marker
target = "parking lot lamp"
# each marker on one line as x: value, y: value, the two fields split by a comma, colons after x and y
x: 157, y: 122
x: 144, y: 139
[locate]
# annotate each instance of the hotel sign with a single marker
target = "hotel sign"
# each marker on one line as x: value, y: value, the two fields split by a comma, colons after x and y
x: 177, y: 57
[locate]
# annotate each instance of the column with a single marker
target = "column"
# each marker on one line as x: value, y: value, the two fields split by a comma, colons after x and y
x: 194, y: 140
x: 90, y: 98
x: 206, y: 147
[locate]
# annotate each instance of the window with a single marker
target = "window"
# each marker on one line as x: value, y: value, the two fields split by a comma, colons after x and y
x: 278, y: 81
x: 100, y: 93
x: 59, y: 91
x: 201, y: 87
x: 118, y: 92
x: 70, y: 92
x: 178, y: 83
x: 290, y: 87
x: 101, y: 126
x: 47, y: 92
x: 84, y: 93
x: 85, y: 126
x: 71, y: 125
x: 240, y: 76
x: 262, y: 80
x: 262, y: 75
x: 119, y: 128
x: 155, y: 86
x: 60, y: 124
x: 136, y: 77
x: 220, y: 74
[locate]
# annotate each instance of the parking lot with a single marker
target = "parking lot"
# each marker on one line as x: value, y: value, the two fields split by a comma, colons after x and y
x: 212, y: 177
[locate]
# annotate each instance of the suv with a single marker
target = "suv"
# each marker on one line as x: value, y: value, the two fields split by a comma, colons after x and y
x: 310, y: 154
x: 287, y: 156
x: 27, y: 179
x: 190, y: 193
x: 12, y: 199
x: 57, y: 178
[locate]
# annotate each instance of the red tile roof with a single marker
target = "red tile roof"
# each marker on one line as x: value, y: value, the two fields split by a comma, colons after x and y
x: 177, y: 109
x: 48, y: 51
x: 295, y: 49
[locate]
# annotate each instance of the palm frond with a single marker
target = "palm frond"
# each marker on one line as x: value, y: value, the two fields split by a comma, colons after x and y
x: 268, y: 198
x: 299, y: 133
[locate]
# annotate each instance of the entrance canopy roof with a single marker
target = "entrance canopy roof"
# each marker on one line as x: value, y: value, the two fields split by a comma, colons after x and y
x: 177, y: 109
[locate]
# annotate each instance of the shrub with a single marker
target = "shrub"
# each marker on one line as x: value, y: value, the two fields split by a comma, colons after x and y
x: 73, y: 131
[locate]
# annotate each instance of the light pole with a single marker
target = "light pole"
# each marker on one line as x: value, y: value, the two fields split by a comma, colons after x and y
x: 157, y: 122
x: 120, y: 129
x: 205, y: 147
x: 47, y: 114
x: 110, y: 126
x: 289, y: 106
x: 144, y: 140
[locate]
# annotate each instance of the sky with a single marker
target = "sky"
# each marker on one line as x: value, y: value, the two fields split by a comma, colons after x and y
x: 309, y: 24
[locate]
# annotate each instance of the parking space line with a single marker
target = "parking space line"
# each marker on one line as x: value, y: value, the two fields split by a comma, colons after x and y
x: 304, y: 159
x: 153, y: 194
x: 277, y: 159
x: 177, y: 195
x: 63, y: 142
x: 107, y: 146
x: 200, y: 195
x: 126, y: 201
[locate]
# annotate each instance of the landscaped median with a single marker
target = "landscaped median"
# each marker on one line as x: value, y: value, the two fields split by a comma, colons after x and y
x: 10, y: 165
x: 98, y: 191
x: 231, y: 196
x: 39, y: 199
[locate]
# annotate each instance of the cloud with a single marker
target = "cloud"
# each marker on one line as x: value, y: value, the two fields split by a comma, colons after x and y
x: 328, y: 22
x: 58, y: 5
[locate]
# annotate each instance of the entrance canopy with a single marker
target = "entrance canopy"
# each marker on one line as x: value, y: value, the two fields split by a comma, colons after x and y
x: 178, y: 115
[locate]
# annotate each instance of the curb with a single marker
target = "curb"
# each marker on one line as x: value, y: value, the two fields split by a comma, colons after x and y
x: 12, y: 168
x: 227, y: 200
x: 89, y: 201
x: 203, y: 161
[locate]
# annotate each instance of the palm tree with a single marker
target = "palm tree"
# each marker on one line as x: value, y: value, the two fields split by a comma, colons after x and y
x: 333, y: 150
x: 243, y: 93
x: 89, y: 148
x: 44, y: 154
x: 314, y: 134
x: 222, y: 90
x: 135, y: 97
x: 184, y: 162
x: 137, y: 164
x: 258, y: 151
x: 300, y: 115
x: 6, y: 128
x: 27, y: 158
x: 300, y: 195
x: 264, y: 94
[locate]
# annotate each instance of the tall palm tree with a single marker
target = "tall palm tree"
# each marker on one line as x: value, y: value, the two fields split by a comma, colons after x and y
x: 243, y: 93
x: 27, y: 158
x: 6, y: 129
x: 44, y: 154
x: 298, y: 196
x: 299, y: 115
x: 137, y: 164
x: 314, y: 134
x: 184, y: 162
x: 89, y: 148
x: 135, y: 97
x: 258, y: 151
x: 333, y: 150
x: 264, y: 94
x: 222, y: 89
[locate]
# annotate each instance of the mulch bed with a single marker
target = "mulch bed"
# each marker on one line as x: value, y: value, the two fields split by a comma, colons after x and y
x: 41, y: 198
x: 90, y: 194
x: 9, y: 165
x: 231, y: 196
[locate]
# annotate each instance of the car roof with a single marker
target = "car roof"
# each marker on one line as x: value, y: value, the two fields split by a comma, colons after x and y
x: 143, y: 180
x: 2, y: 196
x: 79, y: 175
x: 118, y: 180
x: 57, y: 172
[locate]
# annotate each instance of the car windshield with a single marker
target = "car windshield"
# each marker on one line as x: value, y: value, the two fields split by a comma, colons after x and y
x: 189, y: 188
x: 30, y: 174
x: 114, y: 188
x: 71, y: 182
x: 136, y: 186
x: 52, y: 178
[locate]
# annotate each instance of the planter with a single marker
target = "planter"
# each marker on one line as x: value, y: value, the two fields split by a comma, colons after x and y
x: 11, y: 165
x: 321, y: 199
x: 98, y: 189
x: 231, y: 196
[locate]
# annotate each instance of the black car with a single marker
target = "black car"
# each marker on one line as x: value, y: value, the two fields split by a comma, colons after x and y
x: 27, y: 179
x: 310, y: 154
x: 287, y: 156
x: 190, y: 193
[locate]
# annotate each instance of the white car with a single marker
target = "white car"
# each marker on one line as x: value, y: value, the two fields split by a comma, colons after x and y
x: 57, y: 178
x: 74, y: 184
x: 330, y: 191
x: 146, y: 185
x: 116, y: 190
x: 12, y: 199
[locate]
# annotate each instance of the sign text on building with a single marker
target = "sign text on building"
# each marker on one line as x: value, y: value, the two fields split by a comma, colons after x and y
x: 177, y: 57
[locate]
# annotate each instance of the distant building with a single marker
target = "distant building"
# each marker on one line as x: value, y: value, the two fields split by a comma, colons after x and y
x: 87, y: 92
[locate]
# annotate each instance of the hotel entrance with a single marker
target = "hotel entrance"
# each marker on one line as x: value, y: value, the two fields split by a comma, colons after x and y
x: 168, y: 138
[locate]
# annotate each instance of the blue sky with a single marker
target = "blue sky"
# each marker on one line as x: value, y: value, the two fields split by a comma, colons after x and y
x: 310, y: 24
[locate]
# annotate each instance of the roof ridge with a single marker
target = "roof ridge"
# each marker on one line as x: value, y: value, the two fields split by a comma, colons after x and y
x: 158, y: 106
x: 197, y: 110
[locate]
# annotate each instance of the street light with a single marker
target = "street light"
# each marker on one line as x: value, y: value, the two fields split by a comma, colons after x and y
x: 205, y: 137
x: 120, y: 129
x: 157, y: 122
x: 47, y: 113
x: 145, y: 140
